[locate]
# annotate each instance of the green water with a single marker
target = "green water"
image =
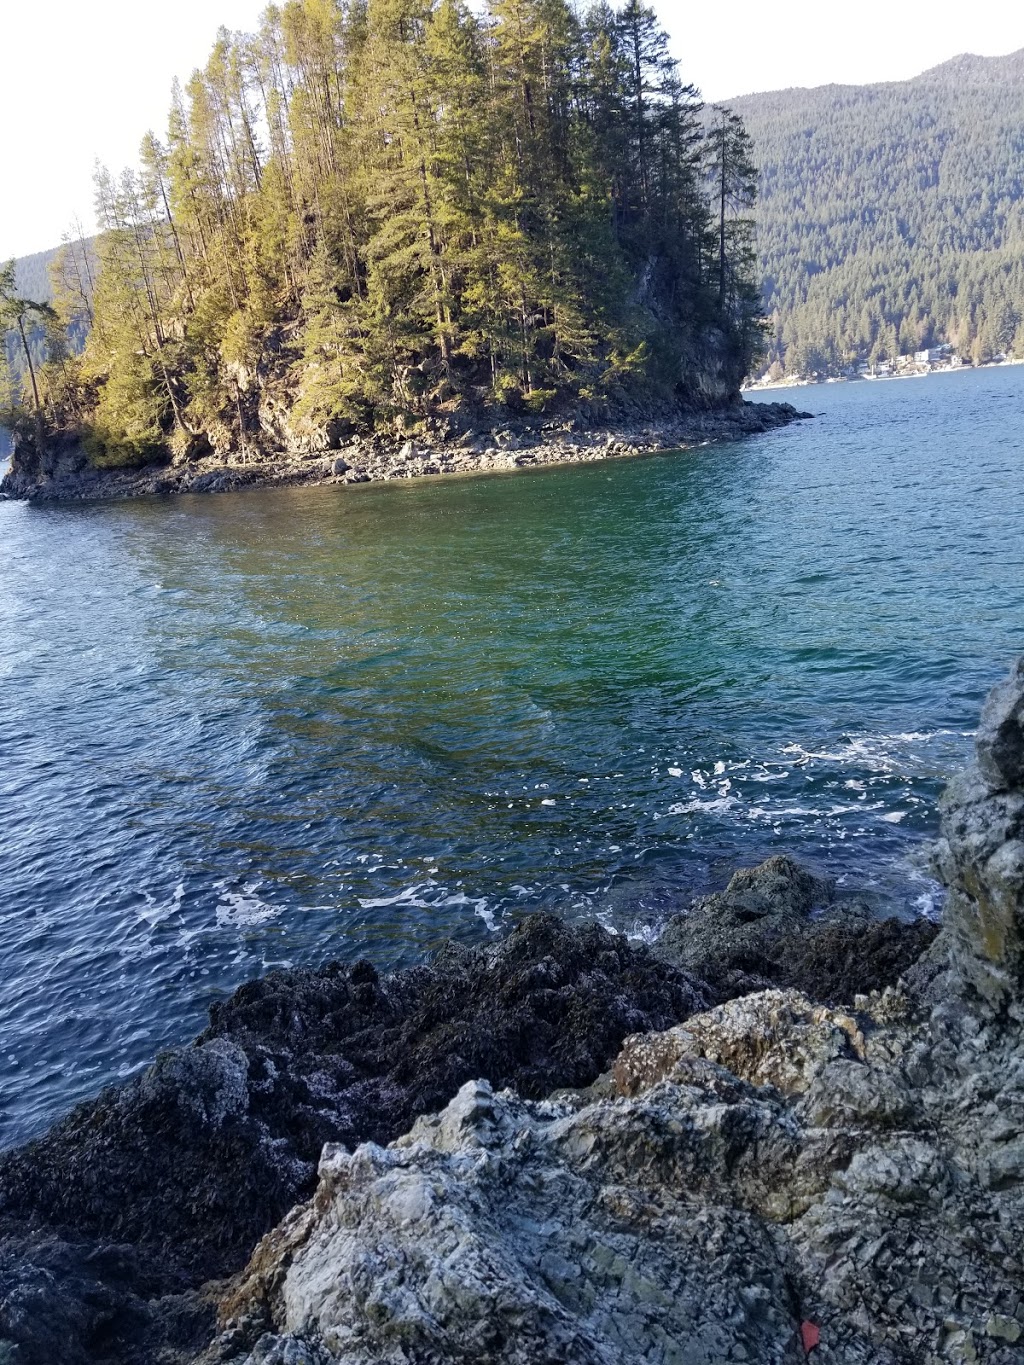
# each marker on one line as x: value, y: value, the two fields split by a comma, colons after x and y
x: 276, y: 727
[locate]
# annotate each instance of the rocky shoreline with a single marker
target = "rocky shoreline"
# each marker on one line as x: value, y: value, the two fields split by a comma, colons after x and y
x: 65, y: 474
x: 786, y: 1129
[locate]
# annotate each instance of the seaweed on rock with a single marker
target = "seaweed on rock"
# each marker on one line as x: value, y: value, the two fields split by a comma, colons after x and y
x: 113, y: 1223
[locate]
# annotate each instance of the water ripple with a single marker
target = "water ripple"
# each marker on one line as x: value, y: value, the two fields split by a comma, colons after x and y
x: 260, y: 729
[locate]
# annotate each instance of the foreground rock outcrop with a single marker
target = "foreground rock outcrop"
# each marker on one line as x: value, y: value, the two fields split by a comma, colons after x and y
x: 769, y: 1165
x: 753, y: 1141
x: 768, y: 1179
x: 63, y: 473
x: 111, y: 1223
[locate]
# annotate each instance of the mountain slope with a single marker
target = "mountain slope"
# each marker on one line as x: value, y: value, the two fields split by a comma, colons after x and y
x: 32, y: 275
x: 892, y: 215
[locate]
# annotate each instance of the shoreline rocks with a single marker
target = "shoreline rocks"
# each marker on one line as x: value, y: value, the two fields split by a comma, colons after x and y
x: 68, y: 477
x: 568, y: 1147
x: 769, y: 1179
x: 122, y: 1211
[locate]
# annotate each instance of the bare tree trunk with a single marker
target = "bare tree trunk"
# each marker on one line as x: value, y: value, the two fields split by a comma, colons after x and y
x: 31, y: 367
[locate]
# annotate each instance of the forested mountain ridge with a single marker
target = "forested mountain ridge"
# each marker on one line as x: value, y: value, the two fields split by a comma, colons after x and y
x: 32, y: 274
x: 891, y: 216
x: 382, y: 214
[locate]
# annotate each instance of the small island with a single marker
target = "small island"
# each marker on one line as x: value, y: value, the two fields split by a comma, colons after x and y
x: 388, y: 233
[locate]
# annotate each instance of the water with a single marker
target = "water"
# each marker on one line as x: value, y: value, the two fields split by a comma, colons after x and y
x: 277, y: 727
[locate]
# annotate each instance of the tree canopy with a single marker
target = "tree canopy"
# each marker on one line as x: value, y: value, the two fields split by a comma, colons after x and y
x: 373, y: 213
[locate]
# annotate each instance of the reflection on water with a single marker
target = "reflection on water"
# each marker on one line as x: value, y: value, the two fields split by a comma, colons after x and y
x: 280, y: 726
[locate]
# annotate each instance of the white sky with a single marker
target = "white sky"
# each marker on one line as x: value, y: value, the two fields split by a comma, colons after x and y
x: 80, y: 81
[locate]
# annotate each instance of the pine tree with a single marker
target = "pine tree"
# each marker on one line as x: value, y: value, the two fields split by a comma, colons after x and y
x: 392, y: 209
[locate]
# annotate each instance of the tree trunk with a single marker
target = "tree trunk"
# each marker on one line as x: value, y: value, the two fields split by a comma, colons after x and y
x: 721, y: 233
x: 31, y: 367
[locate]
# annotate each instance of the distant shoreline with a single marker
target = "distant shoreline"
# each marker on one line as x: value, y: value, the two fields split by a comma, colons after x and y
x: 877, y: 378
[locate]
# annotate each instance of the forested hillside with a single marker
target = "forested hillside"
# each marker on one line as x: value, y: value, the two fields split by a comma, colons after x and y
x: 891, y: 216
x: 45, y: 277
x: 399, y: 212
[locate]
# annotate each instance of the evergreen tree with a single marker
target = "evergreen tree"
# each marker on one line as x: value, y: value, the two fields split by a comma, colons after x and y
x: 18, y: 313
x: 393, y: 209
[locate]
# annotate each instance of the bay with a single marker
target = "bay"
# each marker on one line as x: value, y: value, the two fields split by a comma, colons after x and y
x: 277, y: 727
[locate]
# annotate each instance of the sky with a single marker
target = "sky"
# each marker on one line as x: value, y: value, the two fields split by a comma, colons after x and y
x: 84, y: 82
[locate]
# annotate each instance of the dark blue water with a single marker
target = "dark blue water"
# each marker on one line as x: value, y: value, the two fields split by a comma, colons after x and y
x: 277, y: 727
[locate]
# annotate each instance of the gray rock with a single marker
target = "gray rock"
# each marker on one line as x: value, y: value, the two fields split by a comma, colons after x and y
x: 980, y: 857
x: 693, y: 1211
x: 340, y: 465
x: 1000, y: 739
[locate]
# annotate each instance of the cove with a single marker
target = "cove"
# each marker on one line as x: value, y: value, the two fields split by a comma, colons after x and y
x: 283, y: 726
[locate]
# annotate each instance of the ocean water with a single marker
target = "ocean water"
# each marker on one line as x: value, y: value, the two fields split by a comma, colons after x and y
x: 278, y: 727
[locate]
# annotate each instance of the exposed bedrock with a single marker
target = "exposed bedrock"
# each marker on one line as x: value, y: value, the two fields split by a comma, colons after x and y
x: 766, y: 1169
x: 765, y: 1178
x: 623, y: 1163
x: 980, y: 858
x: 111, y: 1221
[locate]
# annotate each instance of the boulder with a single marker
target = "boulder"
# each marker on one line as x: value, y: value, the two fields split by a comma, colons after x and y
x: 778, y: 924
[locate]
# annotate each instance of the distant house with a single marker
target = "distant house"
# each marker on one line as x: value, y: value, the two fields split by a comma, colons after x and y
x: 933, y: 356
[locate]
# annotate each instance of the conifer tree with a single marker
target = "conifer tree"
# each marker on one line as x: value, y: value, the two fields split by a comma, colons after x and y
x: 393, y: 209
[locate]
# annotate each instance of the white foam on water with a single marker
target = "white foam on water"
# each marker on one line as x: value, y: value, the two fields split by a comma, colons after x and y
x: 714, y: 805
x: 408, y: 895
x: 155, y: 912
x: 882, y: 753
x: 240, y: 907
x: 415, y: 897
